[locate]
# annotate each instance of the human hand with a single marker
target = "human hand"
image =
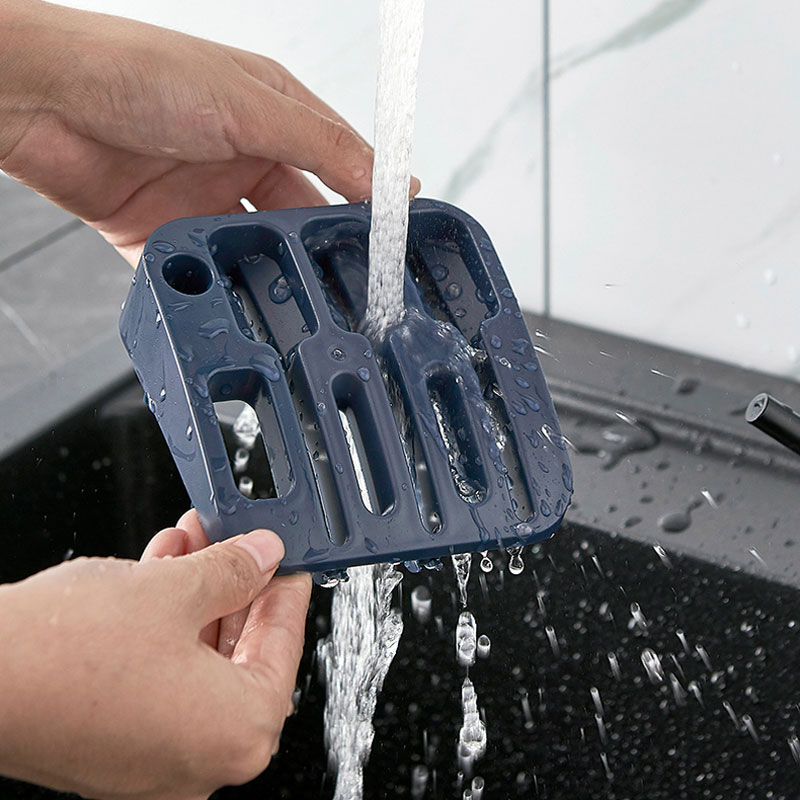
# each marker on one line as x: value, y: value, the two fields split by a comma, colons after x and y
x: 110, y: 689
x: 128, y: 125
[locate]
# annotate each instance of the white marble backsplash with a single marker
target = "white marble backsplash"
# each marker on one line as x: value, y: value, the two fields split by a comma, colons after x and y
x: 674, y: 193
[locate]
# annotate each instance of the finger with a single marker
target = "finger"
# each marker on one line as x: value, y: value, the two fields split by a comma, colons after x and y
x: 196, y: 536
x: 271, y: 643
x: 186, y: 537
x: 279, y: 78
x: 195, y: 539
x: 169, y: 542
x: 225, y: 577
x: 284, y: 187
x: 272, y: 126
x: 230, y: 629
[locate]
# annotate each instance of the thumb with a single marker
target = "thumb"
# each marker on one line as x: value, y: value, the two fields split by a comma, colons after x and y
x: 227, y: 576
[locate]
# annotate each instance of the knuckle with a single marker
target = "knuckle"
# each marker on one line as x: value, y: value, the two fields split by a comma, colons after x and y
x: 280, y: 75
x: 239, y: 570
x: 342, y: 137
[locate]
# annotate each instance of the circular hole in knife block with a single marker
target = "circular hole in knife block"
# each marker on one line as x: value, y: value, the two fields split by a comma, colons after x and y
x: 187, y: 274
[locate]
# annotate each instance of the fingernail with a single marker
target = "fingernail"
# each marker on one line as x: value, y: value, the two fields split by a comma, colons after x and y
x: 265, y: 547
x: 416, y: 185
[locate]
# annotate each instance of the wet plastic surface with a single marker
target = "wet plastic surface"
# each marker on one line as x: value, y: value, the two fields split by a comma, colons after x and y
x: 450, y: 417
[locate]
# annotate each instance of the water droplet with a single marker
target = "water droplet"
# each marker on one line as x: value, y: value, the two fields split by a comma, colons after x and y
x: 279, y: 290
x: 794, y: 746
x: 598, y: 703
x: 703, y: 654
x: 675, y: 521
x: 652, y: 665
x: 213, y: 328
x: 496, y: 342
x: 189, y: 432
x: 246, y: 486
x: 325, y: 580
x: 163, y: 247
x: 149, y: 258
x: 452, y: 291
x: 421, y: 603
x: 553, y: 640
x: 662, y: 554
x: 240, y: 459
x: 613, y: 662
x: 337, y: 354
x: 466, y: 639
x: 486, y: 564
x: 460, y: 312
x: 439, y: 272
x: 515, y: 563
x: 293, y: 518
x: 419, y: 782
x: 363, y: 373
x: 322, y: 408
x: 339, y: 468
x: 601, y: 728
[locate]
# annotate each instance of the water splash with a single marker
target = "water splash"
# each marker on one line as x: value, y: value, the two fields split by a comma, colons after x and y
x: 472, y: 736
x: 462, y: 563
x: 466, y: 639
x: 365, y: 633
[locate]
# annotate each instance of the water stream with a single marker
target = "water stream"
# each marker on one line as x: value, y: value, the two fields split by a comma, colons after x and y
x: 365, y: 632
x: 365, y: 629
x: 395, y: 102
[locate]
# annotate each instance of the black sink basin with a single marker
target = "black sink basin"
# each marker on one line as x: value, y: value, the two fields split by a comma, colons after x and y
x: 701, y: 625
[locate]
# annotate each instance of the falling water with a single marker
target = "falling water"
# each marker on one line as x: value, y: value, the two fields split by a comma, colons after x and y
x: 395, y: 101
x: 365, y: 629
x: 365, y: 632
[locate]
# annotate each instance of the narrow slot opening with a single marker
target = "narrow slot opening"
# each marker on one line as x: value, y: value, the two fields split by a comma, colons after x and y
x: 428, y: 289
x: 458, y: 436
x: 448, y: 268
x: 426, y: 498
x: 339, y: 252
x: 344, y: 418
x: 256, y: 454
x: 363, y: 440
x: 521, y: 501
x: 265, y: 284
x: 422, y: 485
